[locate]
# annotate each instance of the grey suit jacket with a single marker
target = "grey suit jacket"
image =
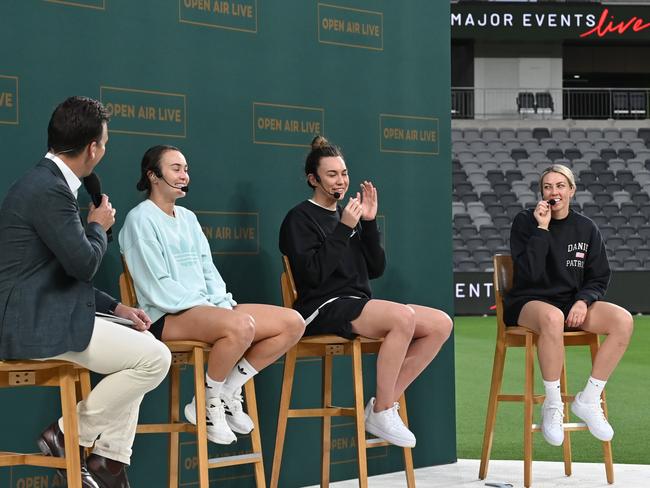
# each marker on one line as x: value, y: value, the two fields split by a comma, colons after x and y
x: 47, y: 263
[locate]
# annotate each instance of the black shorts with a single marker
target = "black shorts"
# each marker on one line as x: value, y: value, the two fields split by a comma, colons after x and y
x: 157, y: 327
x: 513, y: 306
x: 336, y: 317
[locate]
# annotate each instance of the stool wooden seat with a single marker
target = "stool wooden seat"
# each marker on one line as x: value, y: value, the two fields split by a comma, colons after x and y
x: 194, y: 354
x: 523, y: 337
x: 67, y: 377
x: 326, y: 347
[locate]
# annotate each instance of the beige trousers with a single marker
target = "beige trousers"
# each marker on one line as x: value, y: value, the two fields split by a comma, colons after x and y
x: 134, y: 363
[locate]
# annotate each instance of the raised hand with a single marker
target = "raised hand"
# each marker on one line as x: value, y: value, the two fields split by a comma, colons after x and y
x: 352, y: 212
x: 368, y: 201
x: 542, y: 214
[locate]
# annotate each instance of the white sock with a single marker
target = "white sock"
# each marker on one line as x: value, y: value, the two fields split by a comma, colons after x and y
x: 212, y: 388
x: 553, y: 393
x: 240, y: 374
x: 592, y: 391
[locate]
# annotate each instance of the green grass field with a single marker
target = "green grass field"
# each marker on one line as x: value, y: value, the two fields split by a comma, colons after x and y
x: 628, y: 397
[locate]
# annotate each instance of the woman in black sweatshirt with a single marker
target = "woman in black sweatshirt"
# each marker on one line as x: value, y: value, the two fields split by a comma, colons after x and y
x: 334, y: 251
x: 561, y: 274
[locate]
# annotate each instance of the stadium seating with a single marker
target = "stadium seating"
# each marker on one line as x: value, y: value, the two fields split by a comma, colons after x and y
x: 495, y: 174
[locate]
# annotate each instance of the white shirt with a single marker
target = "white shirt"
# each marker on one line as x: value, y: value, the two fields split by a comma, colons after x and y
x: 71, y: 179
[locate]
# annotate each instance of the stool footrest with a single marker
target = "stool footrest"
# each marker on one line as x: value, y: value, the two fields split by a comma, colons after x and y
x: 376, y: 442
x: 220, y: 462
x: 35, y: 459
x: 165, y: 428
x: 568, y: 427
x: 320, y: 412
x: 519, y: 398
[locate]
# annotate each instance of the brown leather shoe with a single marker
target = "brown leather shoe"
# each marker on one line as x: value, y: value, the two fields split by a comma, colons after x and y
x: 52, y: 443
x: 108, y: 472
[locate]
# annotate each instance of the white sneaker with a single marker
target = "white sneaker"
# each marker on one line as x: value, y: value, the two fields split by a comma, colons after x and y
x: 552, y: 427
x: 218, y: 430
x: 388, y: 425
x: 237, y: 419
x: 592, y: 414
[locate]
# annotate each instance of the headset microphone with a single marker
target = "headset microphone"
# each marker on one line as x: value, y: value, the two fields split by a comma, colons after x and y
x: 336, y: 195
x: 158, y: 173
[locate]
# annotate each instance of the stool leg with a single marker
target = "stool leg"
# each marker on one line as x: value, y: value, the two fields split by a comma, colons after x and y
x: 360, y: 420
x: 607, y: 446
x: 70, y: 426
x: 326, y: 421
x: 408, y: 454
x: 566, y: 446
x: 256, y: 440
x: 493, y: 404
x: 84, y: 383
x: 201, y: 426
x: 528, y: 410
x: 285, y: 402
x: 174, y: 417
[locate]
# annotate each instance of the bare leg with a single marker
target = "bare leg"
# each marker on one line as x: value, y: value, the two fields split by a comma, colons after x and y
x: 432, y: 329
x: 276, y: 330
x: 547, y: 322
x: 615, y: 322
x: 396, y: 324
x: 230, y: 332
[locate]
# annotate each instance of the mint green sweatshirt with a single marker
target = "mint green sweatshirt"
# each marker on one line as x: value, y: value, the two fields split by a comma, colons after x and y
x: 170, y: 261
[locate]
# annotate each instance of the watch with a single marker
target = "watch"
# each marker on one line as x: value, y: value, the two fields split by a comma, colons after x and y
x: 112, y: 307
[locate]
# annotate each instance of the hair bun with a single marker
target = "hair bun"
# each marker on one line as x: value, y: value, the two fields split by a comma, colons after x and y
x: 318, y: 142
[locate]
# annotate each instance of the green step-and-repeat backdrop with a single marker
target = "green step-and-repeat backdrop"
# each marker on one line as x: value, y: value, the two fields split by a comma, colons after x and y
x: 241, y: 87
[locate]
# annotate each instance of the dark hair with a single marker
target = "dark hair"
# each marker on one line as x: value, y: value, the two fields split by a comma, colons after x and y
x: 74, y: 124
x: 151, y: 162
x: 320, y: 148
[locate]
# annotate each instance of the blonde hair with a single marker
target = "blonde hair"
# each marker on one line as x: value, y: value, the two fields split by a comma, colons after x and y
x: 558, y: 168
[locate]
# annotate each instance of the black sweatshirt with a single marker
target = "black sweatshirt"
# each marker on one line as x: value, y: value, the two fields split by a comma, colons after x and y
x: 328, y: 259
x: 567, y: 263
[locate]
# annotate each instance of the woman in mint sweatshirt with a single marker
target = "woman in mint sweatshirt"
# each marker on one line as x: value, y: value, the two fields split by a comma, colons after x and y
x: 179, y: 287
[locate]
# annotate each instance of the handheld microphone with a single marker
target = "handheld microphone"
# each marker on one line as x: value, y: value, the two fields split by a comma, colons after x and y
x: 552, y: 202
x: 94, y: 188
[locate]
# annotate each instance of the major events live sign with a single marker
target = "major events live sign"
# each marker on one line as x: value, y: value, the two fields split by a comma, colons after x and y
x: 550, y: 22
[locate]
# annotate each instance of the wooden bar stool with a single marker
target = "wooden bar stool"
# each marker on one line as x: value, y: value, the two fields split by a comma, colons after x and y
x: 67, y: 377
x: 326, y: 347
x: 194, y: 353
x: 522, y: 337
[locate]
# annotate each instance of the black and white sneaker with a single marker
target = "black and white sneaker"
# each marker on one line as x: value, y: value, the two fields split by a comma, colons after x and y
x: 236, y: 418
x: 218, y: 430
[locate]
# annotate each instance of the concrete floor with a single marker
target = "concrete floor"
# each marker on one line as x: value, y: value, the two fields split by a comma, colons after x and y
x: 464, y: 474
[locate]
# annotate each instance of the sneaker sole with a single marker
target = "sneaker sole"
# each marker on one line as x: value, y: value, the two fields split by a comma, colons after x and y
x: 397, y: 441
x: 237, y: 429
x: 190, y: 416
x: 600, y: 438
x: 548, y: 441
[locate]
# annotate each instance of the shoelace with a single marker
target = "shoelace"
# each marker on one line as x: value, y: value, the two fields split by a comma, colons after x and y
x: 598, y: 410
x: 396, y: 420
x: 216, y: 411
x: 558, y: 416
x: 235, y: 403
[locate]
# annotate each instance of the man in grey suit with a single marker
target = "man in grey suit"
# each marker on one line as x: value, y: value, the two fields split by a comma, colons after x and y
x: 48, y: 303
